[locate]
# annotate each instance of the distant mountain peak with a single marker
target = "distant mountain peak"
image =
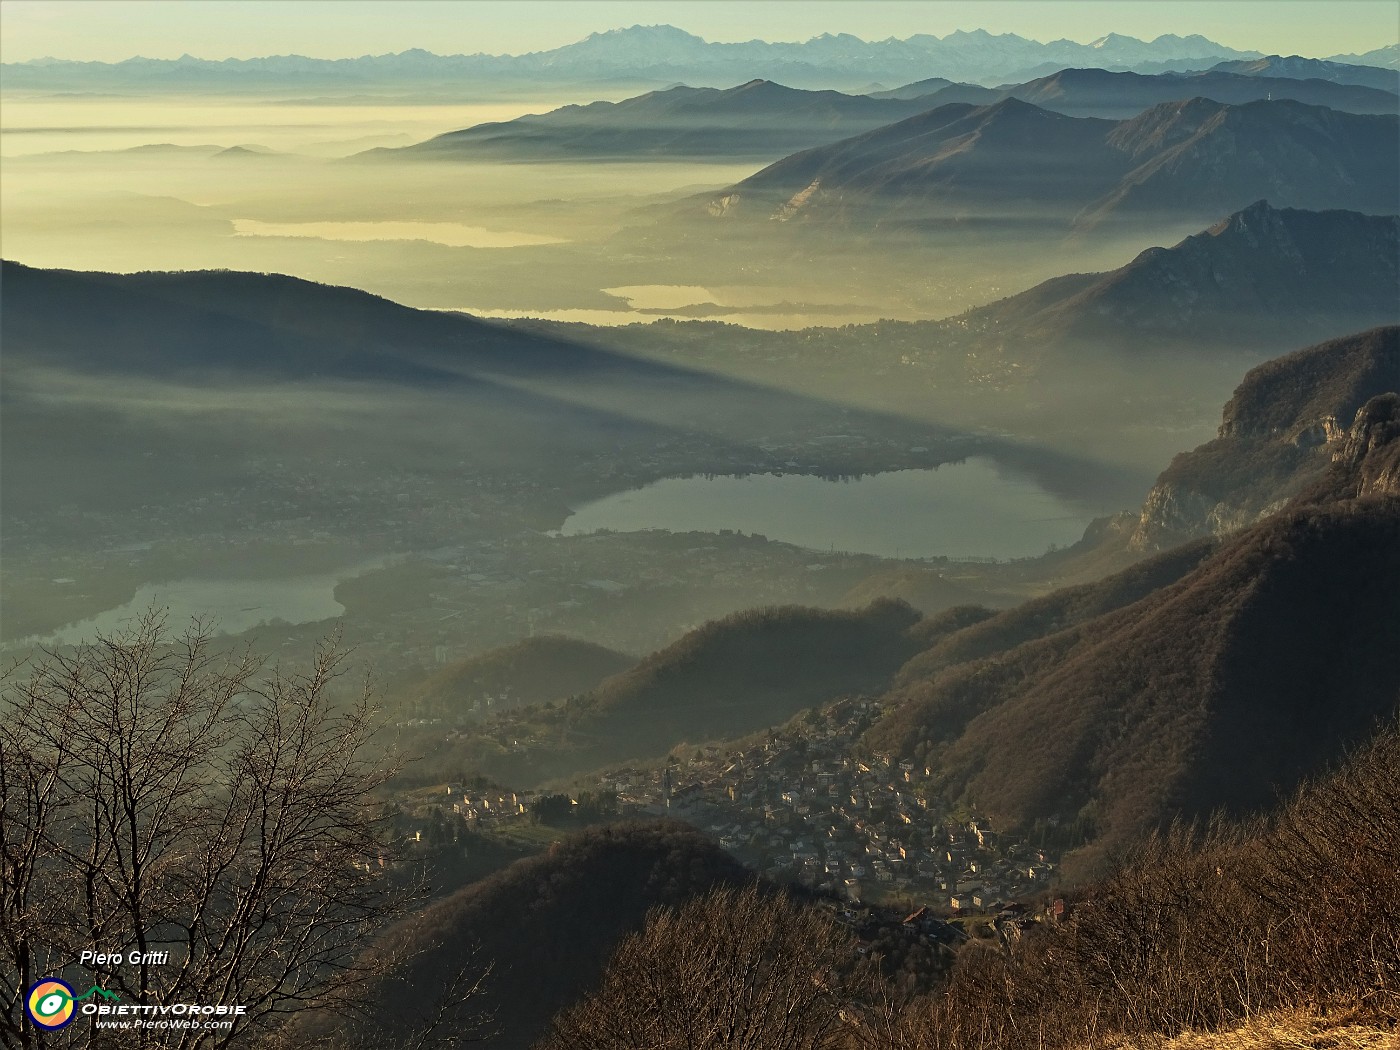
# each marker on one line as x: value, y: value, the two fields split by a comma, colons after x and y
x: 1013, y: 108
x: 1081, y: 73
x: 1258, y: 210
x: 637, y: 44
x: 1194, y: 104
x: 1387, y: 57
x: 1166, y: 122
x: 1173, y: 38
x: 659, y: 31
x: 759, y: 84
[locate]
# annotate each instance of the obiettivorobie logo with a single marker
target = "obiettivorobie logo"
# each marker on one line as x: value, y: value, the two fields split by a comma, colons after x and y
x: 52, y: 1003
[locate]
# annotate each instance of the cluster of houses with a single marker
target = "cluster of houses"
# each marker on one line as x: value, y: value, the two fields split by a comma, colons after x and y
x: 482, y: 809
x: 801, y: 806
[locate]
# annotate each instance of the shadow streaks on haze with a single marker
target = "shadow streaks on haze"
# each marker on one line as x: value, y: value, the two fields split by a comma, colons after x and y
x: 249, y: 329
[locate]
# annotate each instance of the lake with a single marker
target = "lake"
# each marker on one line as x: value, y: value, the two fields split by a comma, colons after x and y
x: 452, y: 234
x: 974, y: 508
x: 772, y: 308
x: 233, y: 605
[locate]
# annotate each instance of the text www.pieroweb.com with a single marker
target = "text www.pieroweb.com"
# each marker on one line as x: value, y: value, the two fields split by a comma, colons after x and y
x: 181, y: 1016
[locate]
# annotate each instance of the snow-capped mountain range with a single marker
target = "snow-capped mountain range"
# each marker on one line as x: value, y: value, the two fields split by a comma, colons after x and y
x: 660, y: 53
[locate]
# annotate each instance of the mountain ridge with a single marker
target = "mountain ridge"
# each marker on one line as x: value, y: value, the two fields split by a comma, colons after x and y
x: 758, y: 117
x: 1148, y: 710
x: 1257, y: 276
x: 536, y: 670
x: 761, y: 117
x: 1297, y: 67
x: 1193, y: 680
x: 728, y: 677
x: 648, y: 51
x: 1190, y: 160
x: 1093, y: 91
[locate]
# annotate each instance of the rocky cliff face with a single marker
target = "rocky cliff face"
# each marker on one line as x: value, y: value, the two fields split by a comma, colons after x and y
x: 1173, y: 514
x: 1327, y: 416
x: 1368, y: 455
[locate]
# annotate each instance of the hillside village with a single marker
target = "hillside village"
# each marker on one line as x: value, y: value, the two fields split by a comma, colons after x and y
x: 800, y: 807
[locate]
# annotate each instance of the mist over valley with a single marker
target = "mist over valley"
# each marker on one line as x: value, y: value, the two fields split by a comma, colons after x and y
x: 885, y: 512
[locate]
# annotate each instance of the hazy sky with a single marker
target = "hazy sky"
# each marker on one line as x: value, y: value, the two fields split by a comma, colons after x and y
x: 110, y: 30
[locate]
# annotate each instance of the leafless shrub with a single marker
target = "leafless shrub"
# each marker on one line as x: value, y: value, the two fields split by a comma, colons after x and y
x: 1202, y: 928
x: 159, y: 796
x: 735, y: 969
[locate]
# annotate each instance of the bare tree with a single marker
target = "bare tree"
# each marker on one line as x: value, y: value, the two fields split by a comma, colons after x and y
x: 157, y: 796
x: 1330, y: 871
x: 735, y: 969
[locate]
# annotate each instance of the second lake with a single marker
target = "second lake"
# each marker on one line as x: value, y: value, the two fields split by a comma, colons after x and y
x: 973, y: 508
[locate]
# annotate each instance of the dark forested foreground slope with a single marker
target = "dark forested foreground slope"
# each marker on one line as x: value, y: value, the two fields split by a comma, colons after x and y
x: 1181, y: 934
x: 1219, y: 690
x: 536, y: 935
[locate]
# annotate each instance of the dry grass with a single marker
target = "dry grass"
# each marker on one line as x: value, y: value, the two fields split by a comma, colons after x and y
x: 1346, y: 1028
